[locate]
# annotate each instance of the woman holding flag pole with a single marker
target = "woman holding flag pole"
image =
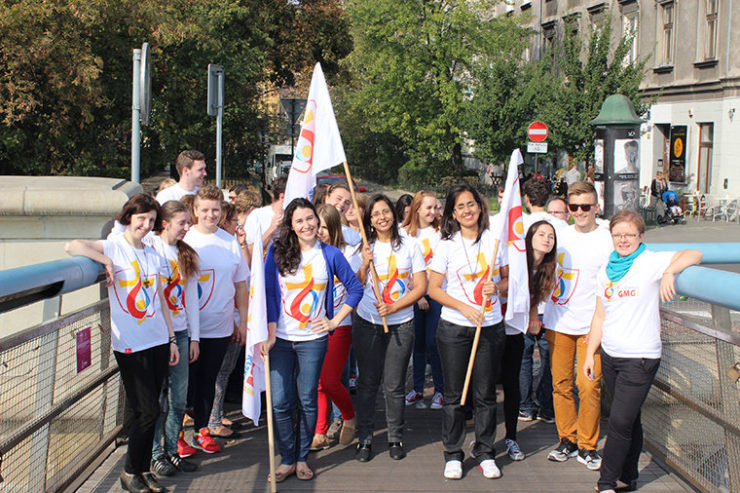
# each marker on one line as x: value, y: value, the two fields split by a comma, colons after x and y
x: 299, y: 285
x: 463, y: 260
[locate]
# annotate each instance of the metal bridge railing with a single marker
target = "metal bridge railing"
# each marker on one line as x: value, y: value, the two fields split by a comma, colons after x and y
x: 61, y: 400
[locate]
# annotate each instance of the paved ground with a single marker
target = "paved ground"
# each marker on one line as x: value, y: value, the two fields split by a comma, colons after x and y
x: 243, y: 466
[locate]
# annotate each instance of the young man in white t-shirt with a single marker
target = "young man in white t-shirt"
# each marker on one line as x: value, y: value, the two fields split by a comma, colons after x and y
x: 536, y: 193
x: 583, y: 249
x: 191, y: 166
x: 266, y: 219
x: 340, y: 197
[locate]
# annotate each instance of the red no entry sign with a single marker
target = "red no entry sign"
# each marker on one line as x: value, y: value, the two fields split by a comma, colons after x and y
x: 537, y: 131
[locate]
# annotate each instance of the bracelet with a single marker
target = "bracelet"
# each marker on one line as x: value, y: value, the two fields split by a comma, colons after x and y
x: 173, y: 340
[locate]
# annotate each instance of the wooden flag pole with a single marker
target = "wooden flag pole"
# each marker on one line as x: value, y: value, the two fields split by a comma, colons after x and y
x: 270, y: 428
x: 373, y: 272
x: 476, y: 339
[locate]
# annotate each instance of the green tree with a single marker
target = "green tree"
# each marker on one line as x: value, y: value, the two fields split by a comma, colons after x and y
x: 412, y: 69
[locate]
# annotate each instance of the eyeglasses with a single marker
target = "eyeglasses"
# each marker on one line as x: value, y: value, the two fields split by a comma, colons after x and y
x: 557, y: 213
x: 384, y: 212
x: 630, y: 236
x: 584, y: 207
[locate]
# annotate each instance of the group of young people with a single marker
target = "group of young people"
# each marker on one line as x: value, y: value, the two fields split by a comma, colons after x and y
x: 593, y: 292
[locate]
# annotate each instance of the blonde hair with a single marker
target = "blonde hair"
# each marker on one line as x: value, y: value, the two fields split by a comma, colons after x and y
x: 628, y: 216
x: 166, y: 183
x: 411, y: 223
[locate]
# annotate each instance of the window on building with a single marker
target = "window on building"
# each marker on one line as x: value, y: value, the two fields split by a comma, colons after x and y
x: 630, y: 30
x: 548, y: 40
x: 706, y: 143
x: 667, y: 19
x: 710, y: 38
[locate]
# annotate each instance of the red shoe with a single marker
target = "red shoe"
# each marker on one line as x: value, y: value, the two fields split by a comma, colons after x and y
x: 203, y: 441
x: 183, y: 449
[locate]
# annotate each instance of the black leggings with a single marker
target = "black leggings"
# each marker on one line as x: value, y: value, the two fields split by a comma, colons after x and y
x: 203, y: 372
x: 511, y: 363
x: 143, y: 374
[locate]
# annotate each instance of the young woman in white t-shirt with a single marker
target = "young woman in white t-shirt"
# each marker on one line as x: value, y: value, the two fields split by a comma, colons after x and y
x: 330, y: 384
x: 222, y: 279
x: 464, y: 261
x: 422, y: 225
x: 180, y: 280
x: 142, y: 336
x: 626, y: 324
x: 299, y: 288
x: 385, y: 356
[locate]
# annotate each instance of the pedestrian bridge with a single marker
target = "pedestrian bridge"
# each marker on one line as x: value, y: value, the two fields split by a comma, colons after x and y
x: 61, y: 406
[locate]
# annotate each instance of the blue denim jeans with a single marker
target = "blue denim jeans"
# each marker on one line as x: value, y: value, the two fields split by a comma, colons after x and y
x: 526, y: 377
x: 295, y: 368
x: 425, y: 344
x: 172, y: 400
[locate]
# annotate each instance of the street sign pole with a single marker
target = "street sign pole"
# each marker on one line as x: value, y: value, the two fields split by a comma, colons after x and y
x: 215, y: 107
x: 135, y: 115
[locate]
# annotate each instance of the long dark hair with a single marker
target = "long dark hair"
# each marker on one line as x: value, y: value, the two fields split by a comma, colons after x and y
x: 286, y: 247
x: 187, y: 258
x: 372, y: 235
x: 541, y: 282
x: 450, y: 226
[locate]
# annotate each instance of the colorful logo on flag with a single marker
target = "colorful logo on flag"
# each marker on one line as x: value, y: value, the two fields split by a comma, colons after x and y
x: 567, y: 281
x: 138, y: 301
x: 206, y: 282
x: 516, y: 228
x: 303, y: 161
x: 305, y: 305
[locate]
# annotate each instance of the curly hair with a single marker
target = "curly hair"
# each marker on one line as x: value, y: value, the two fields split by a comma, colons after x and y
x: 541, y: 277
x: 450, y: 226
x: 287, y: 251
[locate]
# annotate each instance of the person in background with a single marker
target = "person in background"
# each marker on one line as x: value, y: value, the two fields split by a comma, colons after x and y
x: 657, y: 187
x: 403, y: 204
x: 299, y: 286
x: 166, y: 183
x: 339, y: 196
x: 142, y: 336
x: 351, y: 218
x: 189, y: 201
x: 422, y: 226
x: 330, y: 386
x: 180, y: 290
x: 383, y: 356
x: 191, y: 166
x: 464, y: 259
x: 626, y: 324
x: 245, y: 203
x: 235, y: 190
x: 267, y: 219
x: 319, y: 193
x: 558, y: 208
x: 222, y: 278
x: 583, y: 249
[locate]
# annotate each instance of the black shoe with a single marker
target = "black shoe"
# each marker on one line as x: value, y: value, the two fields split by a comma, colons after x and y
x: 395, y: 449
x: 364, y: 452
x: 134, y: 483
x: 152, y: 483
x: 182, y: 464
x: 162, y: 467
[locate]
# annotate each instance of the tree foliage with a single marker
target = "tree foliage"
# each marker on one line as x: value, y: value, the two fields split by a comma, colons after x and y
x: 66, y: 69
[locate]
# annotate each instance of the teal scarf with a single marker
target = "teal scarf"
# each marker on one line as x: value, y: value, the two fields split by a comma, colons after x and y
x: 618, y: 265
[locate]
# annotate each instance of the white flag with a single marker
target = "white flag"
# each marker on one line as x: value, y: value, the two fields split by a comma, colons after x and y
x: 512, y: 239
x: 319, y: 145
x: 254, y: 367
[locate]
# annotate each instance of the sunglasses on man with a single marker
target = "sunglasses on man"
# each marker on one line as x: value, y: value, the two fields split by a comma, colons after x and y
x: 584, y: 207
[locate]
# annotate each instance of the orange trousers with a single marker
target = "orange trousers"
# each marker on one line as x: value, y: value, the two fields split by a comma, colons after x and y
x: 579, y: 424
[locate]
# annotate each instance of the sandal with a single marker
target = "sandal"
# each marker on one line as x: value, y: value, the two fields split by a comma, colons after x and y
x: 283, y: 474
x: 222, y: 432
x: 304, y: 473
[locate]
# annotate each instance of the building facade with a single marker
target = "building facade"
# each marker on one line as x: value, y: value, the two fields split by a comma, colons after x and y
x: 692, y: 48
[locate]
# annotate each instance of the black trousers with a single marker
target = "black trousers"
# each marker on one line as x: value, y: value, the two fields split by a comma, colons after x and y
x: 511, y: 364
x: 627, y: 382
x: 454, y: 343
x: 143, y: 374
x: 203, y: 373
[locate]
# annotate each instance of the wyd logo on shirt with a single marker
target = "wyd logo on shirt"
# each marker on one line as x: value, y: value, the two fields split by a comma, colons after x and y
x: 138, y: 301
x: 479, y: 277
x: 395, y: 287
x: 567, y: 281
x: 206, y: 282
x: 304, y: 306
x: 173, y: 289
x: 611, y: 291
x: 426, y: 247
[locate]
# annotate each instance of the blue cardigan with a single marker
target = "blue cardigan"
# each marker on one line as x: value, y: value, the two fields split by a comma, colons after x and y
x: 336, y: 264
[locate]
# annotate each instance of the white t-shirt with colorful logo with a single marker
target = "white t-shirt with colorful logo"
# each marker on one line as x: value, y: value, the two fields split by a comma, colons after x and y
x: 221, y: 264
x: 135, y: 310
x: 428, y: 238
x: 354, y: 258
x: 303, y: 297
x: 571, y: 305
x: 178, y: 293
x: 395, y: 268
x: 466, y: 265
x: 631, y: 326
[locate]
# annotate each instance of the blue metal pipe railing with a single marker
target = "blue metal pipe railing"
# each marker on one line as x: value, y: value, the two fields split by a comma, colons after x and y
x: 714, y: 286
x: 714, y: 253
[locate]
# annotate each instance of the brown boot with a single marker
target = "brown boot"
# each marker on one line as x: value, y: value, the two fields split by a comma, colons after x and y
x: 320, y: 442
x: 348, y: 431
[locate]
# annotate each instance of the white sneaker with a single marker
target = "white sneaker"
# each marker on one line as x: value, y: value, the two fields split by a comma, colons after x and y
x: 490, y: 469
x: 453, y: 469
x: 437, y: 401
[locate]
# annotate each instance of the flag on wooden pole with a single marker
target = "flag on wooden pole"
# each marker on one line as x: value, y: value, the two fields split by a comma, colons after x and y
x: 319, y: 144
x: 512, y: 240
x: 254, y: 368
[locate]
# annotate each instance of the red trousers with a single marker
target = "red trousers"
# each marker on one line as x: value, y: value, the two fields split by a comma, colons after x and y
x: 330, y: 384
